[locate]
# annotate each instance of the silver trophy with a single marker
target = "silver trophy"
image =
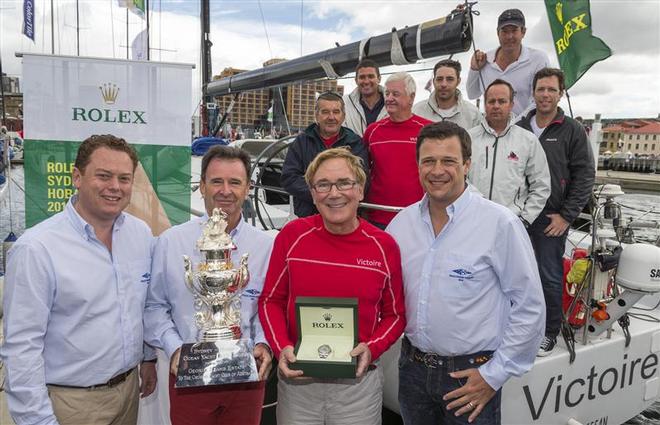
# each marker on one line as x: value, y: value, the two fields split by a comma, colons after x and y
x: 221, y: 355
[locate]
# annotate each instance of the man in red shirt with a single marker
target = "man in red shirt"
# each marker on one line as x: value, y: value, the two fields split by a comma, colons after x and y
x: 391, y: 144
x: 333, y: 254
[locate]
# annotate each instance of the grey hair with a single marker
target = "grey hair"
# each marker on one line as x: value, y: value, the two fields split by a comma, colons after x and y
x: 408, y: 81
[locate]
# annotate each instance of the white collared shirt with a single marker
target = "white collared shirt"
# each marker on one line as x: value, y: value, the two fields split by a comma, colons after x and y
x: 73, y: 308
x: 520, y: 74
x: 473, y: 287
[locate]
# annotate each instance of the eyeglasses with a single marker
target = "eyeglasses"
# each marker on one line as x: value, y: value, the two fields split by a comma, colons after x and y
x: 341, y: 185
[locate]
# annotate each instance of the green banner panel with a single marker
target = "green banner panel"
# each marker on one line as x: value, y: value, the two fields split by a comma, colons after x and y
x: 48, y: 185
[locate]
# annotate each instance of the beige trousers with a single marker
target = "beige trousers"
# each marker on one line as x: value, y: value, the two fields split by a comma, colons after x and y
x: 116, y: 405
x: 331, y: 401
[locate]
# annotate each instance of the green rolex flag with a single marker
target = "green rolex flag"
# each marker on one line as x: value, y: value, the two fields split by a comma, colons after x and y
x: 577, y: 50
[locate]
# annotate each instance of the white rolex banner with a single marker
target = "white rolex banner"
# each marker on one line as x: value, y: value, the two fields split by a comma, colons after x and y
x: 67, y: 99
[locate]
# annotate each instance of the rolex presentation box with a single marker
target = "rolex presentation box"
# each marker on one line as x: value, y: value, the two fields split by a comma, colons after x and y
x: 327, y: 332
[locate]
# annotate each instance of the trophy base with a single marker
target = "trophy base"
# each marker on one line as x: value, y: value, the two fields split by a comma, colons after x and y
x: 216, y: 363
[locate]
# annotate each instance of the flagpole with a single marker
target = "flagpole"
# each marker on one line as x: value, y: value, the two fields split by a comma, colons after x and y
x: 52, y: 28
x: 127, y: 34
x: 146, y: 7
x: 570, y: 108
x: 77, y: 28
x: 2, y: 94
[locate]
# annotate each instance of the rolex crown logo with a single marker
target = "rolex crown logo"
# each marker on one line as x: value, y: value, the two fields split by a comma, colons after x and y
x: 109, y: 91
x: 327, y: 316
x: 559, y: 13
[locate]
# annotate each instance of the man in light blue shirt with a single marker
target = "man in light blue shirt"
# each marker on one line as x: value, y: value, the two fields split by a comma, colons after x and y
x: 474, y: 303
x: 170, y: 312
x: 75, y: 290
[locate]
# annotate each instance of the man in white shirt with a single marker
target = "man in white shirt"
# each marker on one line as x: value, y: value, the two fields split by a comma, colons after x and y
x: 474, y: 305
x: 512, y: 62
x: 169, y: 317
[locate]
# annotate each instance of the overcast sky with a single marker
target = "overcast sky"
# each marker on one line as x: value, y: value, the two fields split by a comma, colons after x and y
x: 625, y: 85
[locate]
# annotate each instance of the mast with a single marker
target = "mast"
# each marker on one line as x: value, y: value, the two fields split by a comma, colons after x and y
x: 77, y: 28
x: 206, y: 122
x: 52, y: 28
x: 127, y: 43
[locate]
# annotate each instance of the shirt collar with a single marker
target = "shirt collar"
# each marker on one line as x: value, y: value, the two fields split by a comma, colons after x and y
x: 83, y: 227
x: 524, y: 55
x: 453, y: 209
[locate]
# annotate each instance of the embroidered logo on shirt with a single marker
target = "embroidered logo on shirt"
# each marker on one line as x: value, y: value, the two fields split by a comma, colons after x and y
x: 251, y: 293
x: 146, y: 278
x: 372, y: 263
x: 461, y: 274
x: 512, y: 156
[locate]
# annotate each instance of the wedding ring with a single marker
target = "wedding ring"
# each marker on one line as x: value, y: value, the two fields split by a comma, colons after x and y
x: 324, y: 351
x: 471, y: 405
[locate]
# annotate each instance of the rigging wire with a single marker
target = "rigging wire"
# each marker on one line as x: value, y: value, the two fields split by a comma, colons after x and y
x: 644, y: 317
x: 469, y: 5
x: 270, y: 51
x: 263, y: 21
x: 647, y: 309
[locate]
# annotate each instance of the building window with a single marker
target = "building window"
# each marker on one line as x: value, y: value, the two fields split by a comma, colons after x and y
x: 636, y: 146
x: 646, y: 147
x: 638, y: 137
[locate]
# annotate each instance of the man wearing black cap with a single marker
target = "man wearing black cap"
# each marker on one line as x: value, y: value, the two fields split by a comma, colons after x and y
x: 511, y: 62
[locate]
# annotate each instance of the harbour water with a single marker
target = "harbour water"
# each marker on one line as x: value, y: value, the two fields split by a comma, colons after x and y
x: 642, y: 207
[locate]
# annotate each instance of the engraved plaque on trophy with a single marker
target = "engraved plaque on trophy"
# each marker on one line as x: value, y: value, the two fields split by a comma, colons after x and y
x: 221, y: 355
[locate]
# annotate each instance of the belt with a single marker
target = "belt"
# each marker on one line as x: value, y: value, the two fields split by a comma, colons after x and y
x: 433, y: 360
x: 112, y: 382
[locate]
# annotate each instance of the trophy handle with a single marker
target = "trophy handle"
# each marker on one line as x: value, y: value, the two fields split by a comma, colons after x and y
x: 187, y: 274
x: 189, y: 278
x: 243, y: 275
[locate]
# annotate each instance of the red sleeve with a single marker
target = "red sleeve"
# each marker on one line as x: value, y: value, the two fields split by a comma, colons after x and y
x: 393, y: 315
x: 275, y: 296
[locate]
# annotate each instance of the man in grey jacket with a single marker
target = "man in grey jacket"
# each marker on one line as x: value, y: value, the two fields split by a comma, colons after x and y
x: 508, y: 165
x: 365, y: 104
x: 446, y: 101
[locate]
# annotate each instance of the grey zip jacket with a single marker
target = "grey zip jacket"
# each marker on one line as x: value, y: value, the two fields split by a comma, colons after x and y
x: 355, y: 119
x: 510, y: 169
x: 466, y: 114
